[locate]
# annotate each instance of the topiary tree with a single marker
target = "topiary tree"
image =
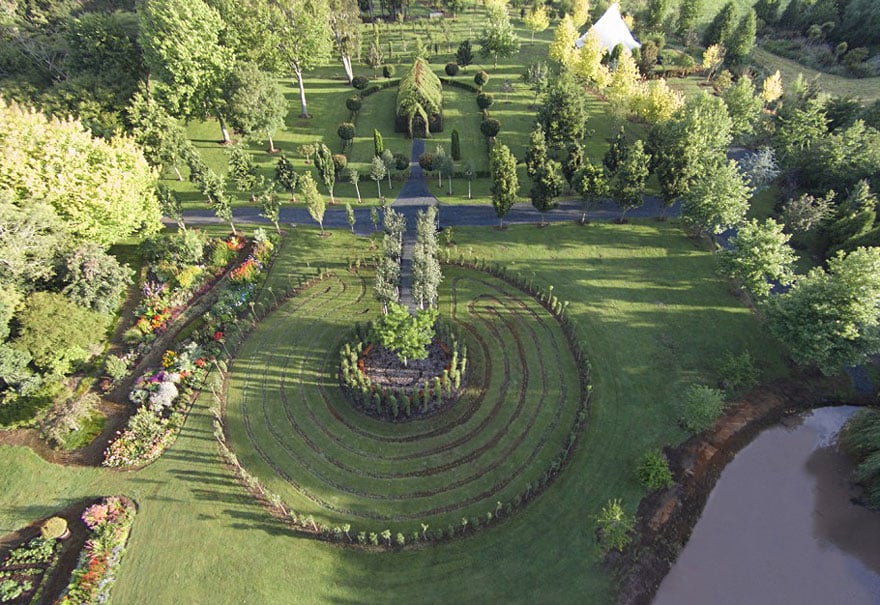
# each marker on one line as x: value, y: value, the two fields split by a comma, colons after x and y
x: 464, y: 56
x: 452, y: 69
x: 455, y: 146
x: 419, y: 99
x: 490, y: 128
x: 388, y: 71
x: 502, y: 165
x: 378, y: 143
x: 480, y: 78
x: 485, y: 100
x: 360, y: 82
x: 327, y: 169
x: 354, y: 104
x: 285, y: 175
x: 346, y: 132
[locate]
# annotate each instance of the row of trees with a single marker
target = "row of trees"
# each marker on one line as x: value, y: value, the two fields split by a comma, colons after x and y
x: 426, y: 274
x: 387, y: 284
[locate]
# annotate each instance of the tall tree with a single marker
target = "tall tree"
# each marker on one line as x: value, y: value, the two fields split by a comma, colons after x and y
x: 830, y: 318
x: 562, y: 48
x: 717, y: 200
x: 563, y: 114
x: 377, y: 172
x: 326, y: 168
x: 537, y: 20
x: 591, y: 183
x: 345, y: 24
x: 759, y: 255
x: 103, y: 190
x: 214, y: 190
x: 502, y: 165
x: 721, y: 27
x: 688, y: 14
x: 314, y: 201
x: 627, y: 183
x: 742, y: 40
x: 498, y: 38
x: 255, y: 102
x: 657, y: 10
x: 302, y: 32
x: 182, y: 48
x: 683, y: 148
x: 162, y: 139
x: 743, y: 106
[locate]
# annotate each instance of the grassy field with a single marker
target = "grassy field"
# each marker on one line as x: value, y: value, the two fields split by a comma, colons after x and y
x: 654, y: 316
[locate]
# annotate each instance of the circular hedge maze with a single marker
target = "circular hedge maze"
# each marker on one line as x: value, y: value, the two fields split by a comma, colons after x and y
x: 488, y: 454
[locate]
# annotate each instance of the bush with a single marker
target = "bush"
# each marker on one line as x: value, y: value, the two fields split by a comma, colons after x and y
x: 401, y: 161
x: 480, y: 78
x: 116, y: 367
x: 94, y: 279
x: 700, y: 407
x: 490, y: 127
x: 176, y: 247
x: 360, y: 82
x: 653, y: 471
x: 485, y: 100
x: 68, y: 416
x: 53, y: 528
x: 220, y: 254
x: 452, y: 69
x: 456, y: 146
x: 738, y: 371
x: 426, y: 160
x: 614, y: 526
x: 339, y: 162
x: 12, y: 589
x: 285, y: 174
x: 354, y: 103
x: 861, y: 440
x: 57, y: 332
x: 346, y: 131
x: 388, y: 71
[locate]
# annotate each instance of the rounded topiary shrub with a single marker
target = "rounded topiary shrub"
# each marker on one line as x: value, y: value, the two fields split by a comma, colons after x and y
x: 490, y: 127
x: 485, y: 100
x: 452, y: 69
x: 339, y: 162
x: 426, y: 160
x: 354, y: 103
x: 360, y: 82
x: 480, y: 78
x: 54, y: 528
x: 388, y: 71
x: 346, y: 131
x: 401, y: 161
x: 653, y: 471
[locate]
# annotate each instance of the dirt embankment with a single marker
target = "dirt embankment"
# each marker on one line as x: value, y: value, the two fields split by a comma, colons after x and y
x: 667, y: 518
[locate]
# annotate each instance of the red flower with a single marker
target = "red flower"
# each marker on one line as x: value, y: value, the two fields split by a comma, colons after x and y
x: 218, y: 335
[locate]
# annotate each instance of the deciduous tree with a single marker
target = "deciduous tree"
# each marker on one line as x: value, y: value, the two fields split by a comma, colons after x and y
x: 502, y: 165
x: 759, y: 256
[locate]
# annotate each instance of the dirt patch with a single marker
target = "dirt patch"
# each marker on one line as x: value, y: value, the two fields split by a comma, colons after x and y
x: 667, y: 518
x: 384, y: 368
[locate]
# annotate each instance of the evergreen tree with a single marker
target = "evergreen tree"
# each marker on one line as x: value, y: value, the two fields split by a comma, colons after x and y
x: 464, y: 56
x: 574, y: 160
x: 326, y: 168
x: 628, y: 181
x: 742, y: 40
x: 688, y: 14
x: 563, y: 114
x: 313, y: 199
x: 502, y: 165
x: 591, y: 183
x: 721, y: 28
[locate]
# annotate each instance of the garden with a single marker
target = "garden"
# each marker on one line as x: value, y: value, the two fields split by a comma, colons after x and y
x: 402, y: 412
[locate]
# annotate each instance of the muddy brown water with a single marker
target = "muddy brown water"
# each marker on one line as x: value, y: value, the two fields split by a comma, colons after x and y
x: 780, y: 527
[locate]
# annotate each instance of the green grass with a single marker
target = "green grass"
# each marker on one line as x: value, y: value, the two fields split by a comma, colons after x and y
x: 291, y: 425
x: 91, y: 428
x: 866, y: 89
x: 654, y: 317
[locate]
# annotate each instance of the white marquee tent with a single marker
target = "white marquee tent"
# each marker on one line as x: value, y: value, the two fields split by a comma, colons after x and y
x: 611, y: 30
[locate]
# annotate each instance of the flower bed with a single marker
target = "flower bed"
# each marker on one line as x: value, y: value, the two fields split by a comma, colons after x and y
x: 163, y: 395
x: 110, y: 524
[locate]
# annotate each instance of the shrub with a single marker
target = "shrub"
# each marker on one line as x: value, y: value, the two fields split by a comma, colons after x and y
x: 12, y: 589
x: 220, y: 254
x: 401, y: 161
x: 452, y: 69
x: 388, y: 71
x: 176, y: 247
x: 354, y: 104
x: 456, y: 146
x: 426, y: 160
x: 490, y: 127
x: 861, y: 440
x: 116, y: 367
x: 738, y: 371
x: 485, y: 100
x: 480, y: 78
x: 58, y: 333
x: 360, y: 82
x: 339, y: 162
x: 653, y: 471
x: 346, y: 131
x: 614, y: 526
x: 94, y: 279
x: 285, y: 174
x: 700, y: 407
x: 53, y: 528
x: 67, y: 416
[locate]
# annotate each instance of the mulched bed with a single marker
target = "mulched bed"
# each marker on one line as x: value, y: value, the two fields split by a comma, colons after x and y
x: 385, y: 369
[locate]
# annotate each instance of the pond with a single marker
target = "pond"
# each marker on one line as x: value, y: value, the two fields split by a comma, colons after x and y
x: 780, y: 527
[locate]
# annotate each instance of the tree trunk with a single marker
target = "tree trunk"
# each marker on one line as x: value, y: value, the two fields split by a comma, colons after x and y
x: 177, y: 172
x: 389, y: 180
x: 358, y: 191
x: 450, y: 185
x: 234, y: 232
x: 321, y: 225
x: 501, y: 223
x: 584, y: 218
x: 379, y: 187
x: 346, y: 65
x: 304, y: 113
x: 277, y: 228
x: 271, y: 143
x: 469, y: 190
x: 224, y: 130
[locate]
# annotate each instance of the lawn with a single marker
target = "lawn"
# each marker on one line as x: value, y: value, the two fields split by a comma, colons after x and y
x: 654, y: 317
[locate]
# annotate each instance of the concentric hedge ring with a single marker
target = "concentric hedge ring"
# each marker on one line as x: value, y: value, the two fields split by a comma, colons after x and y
x: 290, y: 426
